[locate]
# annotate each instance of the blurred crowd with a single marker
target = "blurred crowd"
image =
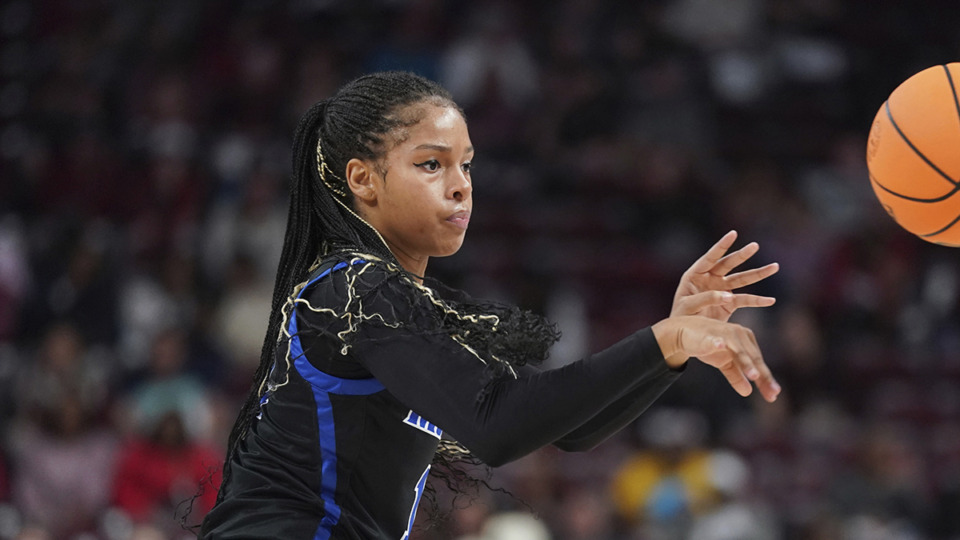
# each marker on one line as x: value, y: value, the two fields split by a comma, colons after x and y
x: 144, y: 156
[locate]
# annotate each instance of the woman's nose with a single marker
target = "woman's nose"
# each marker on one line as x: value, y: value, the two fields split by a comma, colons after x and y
x: 460, y: 187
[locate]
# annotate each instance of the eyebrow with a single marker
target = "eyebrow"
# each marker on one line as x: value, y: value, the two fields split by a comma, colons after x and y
x: 440, y: 148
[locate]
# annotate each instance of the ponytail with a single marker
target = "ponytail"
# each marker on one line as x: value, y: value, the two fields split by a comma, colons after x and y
x: 301, y: 246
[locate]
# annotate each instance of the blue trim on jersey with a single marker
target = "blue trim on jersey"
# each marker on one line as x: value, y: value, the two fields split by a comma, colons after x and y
x: 320, y: 380
x: 328, y: 465
x: 323, y: 385
x: 418, y: 492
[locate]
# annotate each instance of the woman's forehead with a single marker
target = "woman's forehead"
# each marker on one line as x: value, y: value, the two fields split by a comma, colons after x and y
x: 433, y: 124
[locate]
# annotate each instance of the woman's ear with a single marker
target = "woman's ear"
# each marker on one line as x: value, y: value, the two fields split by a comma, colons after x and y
x: 360, y: 179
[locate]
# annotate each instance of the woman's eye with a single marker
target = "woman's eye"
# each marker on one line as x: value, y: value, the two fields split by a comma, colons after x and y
x: 467, y: 167
x: 431, y: 165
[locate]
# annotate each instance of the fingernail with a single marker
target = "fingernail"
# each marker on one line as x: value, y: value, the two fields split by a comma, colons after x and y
x: 776, y: 387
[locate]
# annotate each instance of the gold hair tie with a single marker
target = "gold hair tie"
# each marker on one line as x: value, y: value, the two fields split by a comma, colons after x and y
x: 324, y: 169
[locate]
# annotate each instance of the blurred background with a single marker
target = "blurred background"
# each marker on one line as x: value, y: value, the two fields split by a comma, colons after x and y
x: 144, y: 157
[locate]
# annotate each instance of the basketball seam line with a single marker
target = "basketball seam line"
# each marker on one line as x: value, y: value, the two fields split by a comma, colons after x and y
x: 956, y: 103
x: 895, y: 194
x: 914, y: 148
x: 927, y: 235
x: 953, y: 191
x: 947, y: 226
x: 953, y: 89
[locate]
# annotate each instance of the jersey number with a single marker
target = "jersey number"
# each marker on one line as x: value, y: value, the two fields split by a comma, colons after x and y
x: 416, y: 501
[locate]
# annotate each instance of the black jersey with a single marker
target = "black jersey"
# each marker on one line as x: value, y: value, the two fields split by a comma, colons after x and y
x: 342, y: 450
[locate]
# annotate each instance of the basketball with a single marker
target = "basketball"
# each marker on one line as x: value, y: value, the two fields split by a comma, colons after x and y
x: 913, y: 155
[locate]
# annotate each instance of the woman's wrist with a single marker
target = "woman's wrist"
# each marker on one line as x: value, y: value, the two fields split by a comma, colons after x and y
x: 667, y: 333
x: 676, y: 361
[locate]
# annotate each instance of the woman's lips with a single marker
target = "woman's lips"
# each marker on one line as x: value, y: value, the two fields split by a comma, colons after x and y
x: 460, y: 219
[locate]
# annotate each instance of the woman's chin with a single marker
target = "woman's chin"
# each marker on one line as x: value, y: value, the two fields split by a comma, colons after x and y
x: 448, y: 250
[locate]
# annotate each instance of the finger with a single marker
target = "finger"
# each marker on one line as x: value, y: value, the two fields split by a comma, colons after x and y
x: 765, y: 382
x: 769, y: 388
x: 749, y: 300
x: 746, y: 352
x: 710, y: 258
x: 723, y: 356
x: 736, y: 379
x: 749, y: 277
x: 695, y: 303
x: 735, y: 259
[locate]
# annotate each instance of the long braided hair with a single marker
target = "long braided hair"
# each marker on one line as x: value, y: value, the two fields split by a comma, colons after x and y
x: 361, y: 121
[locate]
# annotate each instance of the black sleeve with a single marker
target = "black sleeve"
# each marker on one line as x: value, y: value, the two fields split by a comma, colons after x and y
x: 578, y: 405
x: 618, y: 414
x: 441, y: 381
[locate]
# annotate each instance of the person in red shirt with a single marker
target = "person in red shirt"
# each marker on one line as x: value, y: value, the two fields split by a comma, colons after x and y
x: 157, y: 472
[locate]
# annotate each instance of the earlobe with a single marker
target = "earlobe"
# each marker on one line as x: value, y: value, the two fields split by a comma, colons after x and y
x: 360, y: 179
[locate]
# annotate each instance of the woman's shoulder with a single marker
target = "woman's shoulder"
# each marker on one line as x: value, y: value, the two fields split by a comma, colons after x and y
x: 343, y: 268
x: 346, y: 278
x: 362, y: 292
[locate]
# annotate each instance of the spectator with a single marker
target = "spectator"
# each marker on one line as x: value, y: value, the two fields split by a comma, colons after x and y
x: 585, y: 514
x: 82, y: 291
x: 151, y: 303
x: 243, y: 310
x: 731, y: 515
x: 63, y: 463
x: 63, y: 369
x: 168, y: 386
x: 663, y: 486
x: 885, y: 492
x: 161, y: 470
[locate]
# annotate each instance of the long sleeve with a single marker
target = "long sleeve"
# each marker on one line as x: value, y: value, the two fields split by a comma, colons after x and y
x: 621, y: 412
x: 441, y: 381
x: 577, y: 405
x: 618, y: 414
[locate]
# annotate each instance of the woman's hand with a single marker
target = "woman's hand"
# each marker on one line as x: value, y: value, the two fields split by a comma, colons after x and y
x: 705, y: 288
x: 705, y: 291
x: 729, y: 347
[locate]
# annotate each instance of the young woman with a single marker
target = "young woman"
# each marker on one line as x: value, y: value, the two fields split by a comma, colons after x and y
x: 370, y: 372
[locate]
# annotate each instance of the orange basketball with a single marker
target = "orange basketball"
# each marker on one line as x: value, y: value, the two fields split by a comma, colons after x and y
x: 913, y: 155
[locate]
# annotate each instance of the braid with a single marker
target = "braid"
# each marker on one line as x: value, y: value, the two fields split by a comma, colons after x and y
x: 300, y: 246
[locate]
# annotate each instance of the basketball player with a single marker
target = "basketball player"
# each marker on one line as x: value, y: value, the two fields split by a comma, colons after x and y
x: 370, y: 372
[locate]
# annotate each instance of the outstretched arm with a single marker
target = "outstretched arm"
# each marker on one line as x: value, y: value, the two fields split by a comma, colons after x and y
x: 441, y: 381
